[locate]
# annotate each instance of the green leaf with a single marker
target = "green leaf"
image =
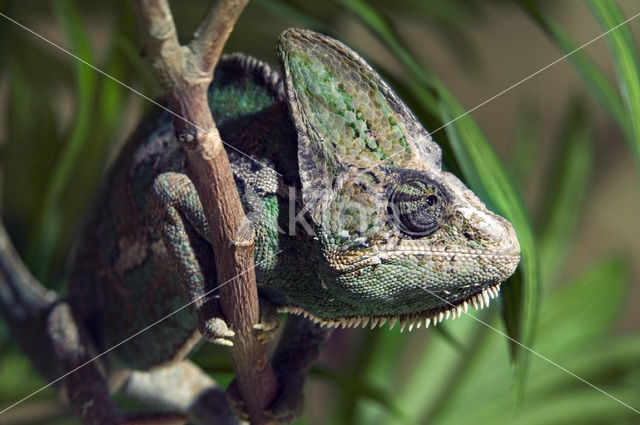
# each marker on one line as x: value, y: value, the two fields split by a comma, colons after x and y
x: 595, y: 80
x: 106, y: 123
x: 568, y: 184
x: 625, y: 111
x: 378, y: 355
x: 447, y: 367
x: 580, y: 407
x: 525, y: 151
x: 34, y: 142
x: 613, y: 361
x: 572, y: 333
x: 19, y: 378
x: 627, y: 64
x: 47, y: 230
x: 382, y: 29
x: 587, y: 306
x: 484, y: 170
x: 283, y: 10
x: 365, y: 390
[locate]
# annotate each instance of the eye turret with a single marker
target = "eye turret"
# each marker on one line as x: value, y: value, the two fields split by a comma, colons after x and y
x: 417, y: 207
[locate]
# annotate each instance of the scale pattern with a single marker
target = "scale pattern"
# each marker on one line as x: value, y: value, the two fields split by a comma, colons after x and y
x: 335, y: 172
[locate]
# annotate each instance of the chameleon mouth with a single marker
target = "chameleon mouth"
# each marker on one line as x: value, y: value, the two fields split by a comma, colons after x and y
x: 410, y: 321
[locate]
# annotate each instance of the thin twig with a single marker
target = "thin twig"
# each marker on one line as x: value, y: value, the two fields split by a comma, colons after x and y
x: 213, y: 32
x: 24, y: 304
x: 185, y: 72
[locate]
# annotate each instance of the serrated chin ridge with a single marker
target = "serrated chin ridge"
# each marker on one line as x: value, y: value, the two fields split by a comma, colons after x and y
x: 410, y: 321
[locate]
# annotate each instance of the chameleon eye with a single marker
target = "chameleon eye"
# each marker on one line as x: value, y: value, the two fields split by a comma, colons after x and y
x: 417, y: 207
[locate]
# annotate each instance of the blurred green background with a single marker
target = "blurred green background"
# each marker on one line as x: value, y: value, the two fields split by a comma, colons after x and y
x: 557, y: 155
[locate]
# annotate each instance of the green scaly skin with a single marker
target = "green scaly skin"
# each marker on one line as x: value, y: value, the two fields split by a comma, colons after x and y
x: 382, y: 233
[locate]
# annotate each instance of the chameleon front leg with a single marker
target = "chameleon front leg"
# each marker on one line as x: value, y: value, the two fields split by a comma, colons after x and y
x: 84, y: 386
x: 176, y: 208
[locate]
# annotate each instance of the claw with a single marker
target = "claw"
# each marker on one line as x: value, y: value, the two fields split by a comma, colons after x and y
x: 264, y: 327
x: 222, y: 341
x: 217, y: 331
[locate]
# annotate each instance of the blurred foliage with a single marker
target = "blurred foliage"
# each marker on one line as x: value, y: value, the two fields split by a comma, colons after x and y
x: 64, y: 121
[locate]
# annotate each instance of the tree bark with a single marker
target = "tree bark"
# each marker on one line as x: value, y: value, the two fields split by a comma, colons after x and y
x: 185, y: 73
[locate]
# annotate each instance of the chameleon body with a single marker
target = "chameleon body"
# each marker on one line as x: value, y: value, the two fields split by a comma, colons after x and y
x: 355, y: 222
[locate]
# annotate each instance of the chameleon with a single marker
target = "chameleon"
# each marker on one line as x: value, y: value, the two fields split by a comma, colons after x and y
x: 355, y: 221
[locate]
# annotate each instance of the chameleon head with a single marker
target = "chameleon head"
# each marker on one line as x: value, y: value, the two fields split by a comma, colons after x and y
x: 400, y: 239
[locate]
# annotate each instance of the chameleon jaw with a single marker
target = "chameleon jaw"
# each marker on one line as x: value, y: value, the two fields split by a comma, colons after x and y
x: 428, y: 317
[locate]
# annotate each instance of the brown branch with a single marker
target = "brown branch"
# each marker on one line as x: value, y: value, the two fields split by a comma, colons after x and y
x: 185, y: 72
x: 213, y: 32
x: 24, y: 304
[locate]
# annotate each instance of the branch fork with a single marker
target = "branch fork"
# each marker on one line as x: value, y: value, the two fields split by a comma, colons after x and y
x: 185, y: 72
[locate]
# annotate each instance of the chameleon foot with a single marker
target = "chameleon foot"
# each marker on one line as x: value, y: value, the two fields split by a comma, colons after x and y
x: 217, y: 331
x: 285, y: 409
x: 267, y: 329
